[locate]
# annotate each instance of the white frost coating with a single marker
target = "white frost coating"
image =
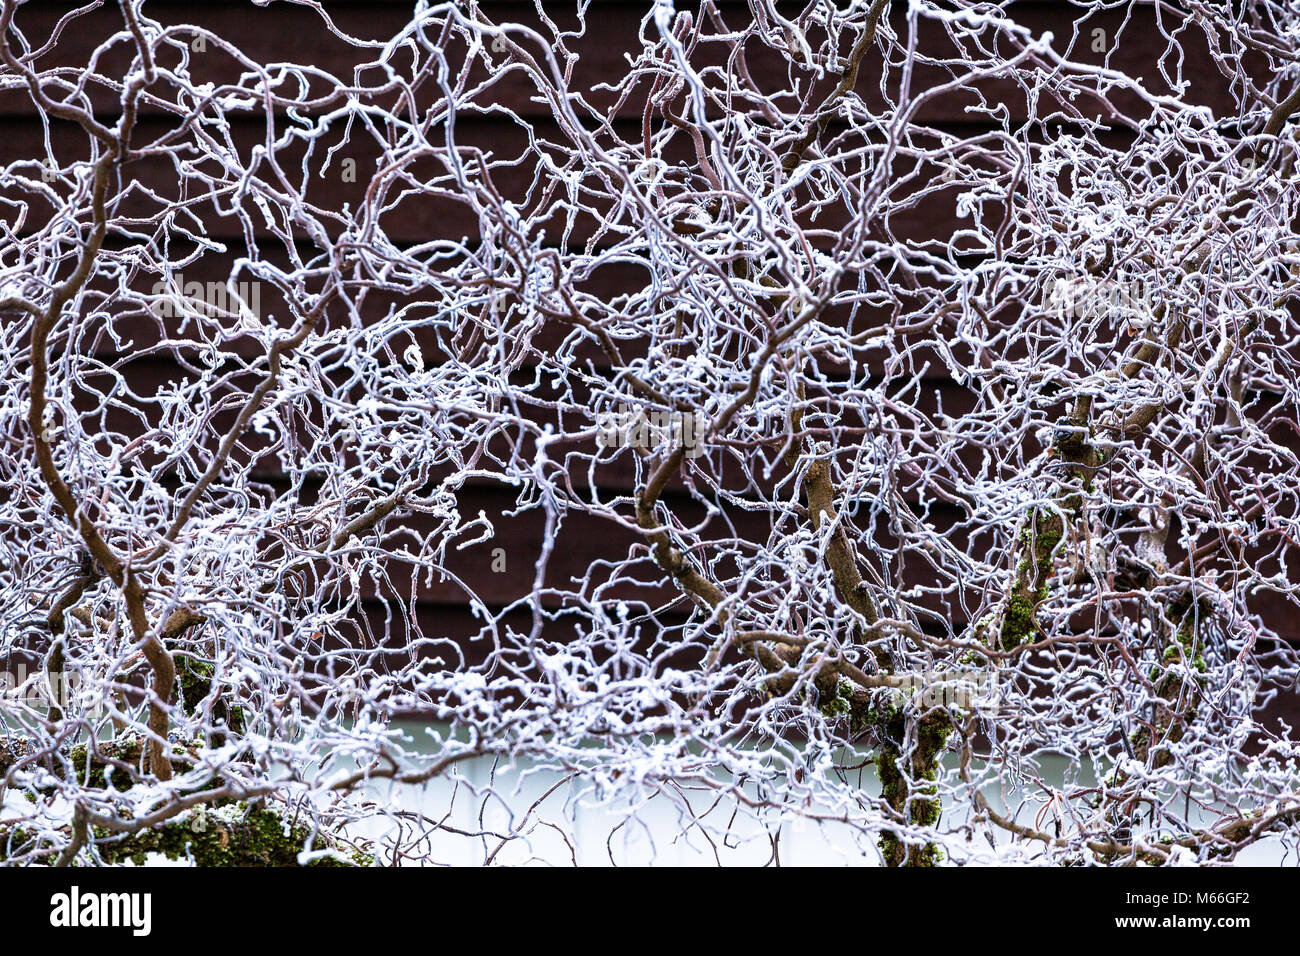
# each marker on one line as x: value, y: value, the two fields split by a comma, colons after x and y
x: 369, y: 486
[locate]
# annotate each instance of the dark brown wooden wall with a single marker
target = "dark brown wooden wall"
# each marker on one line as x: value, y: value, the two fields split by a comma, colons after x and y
x: 287, y: 32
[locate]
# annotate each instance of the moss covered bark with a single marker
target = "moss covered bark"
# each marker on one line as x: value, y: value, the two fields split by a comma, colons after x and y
x: 1039, y: 538
x: 909, y: 781
x: 260, y: 838
x: 248, y: 836
x: 222, y: 834
x: 1178, y: 694
x: 194, y: 678
x: 1043, y: 531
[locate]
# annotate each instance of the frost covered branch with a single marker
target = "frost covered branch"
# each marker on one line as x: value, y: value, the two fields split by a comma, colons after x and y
x: 871, y: 416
